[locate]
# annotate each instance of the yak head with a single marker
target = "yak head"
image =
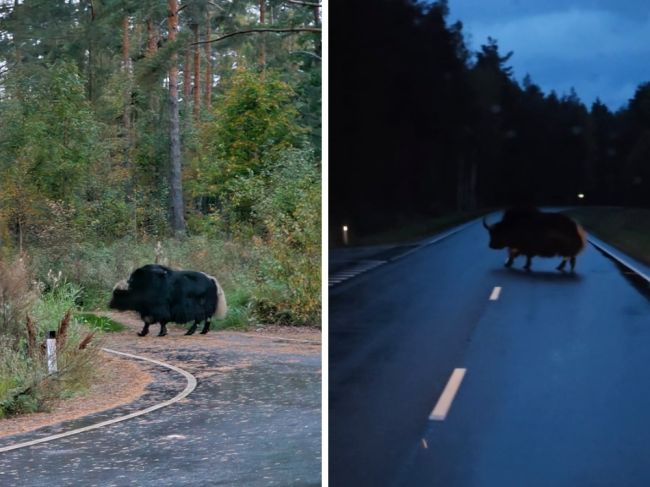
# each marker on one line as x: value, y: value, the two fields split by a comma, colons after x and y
x: 503, y: 233
x: 498, y: 234
x: 142, y: 287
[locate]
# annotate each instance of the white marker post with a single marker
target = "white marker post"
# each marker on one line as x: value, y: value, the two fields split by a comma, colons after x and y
x: 345, y: 235
x: 51, y: 353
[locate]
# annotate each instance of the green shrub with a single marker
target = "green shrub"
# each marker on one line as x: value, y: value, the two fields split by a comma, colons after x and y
x: 102, y: 323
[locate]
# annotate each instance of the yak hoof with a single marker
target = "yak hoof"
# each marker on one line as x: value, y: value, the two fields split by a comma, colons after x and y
x: 189, y: 332
x: 203, y: 332
x: 162, y: 334
x: 508, y: 264
x: 142, y: 334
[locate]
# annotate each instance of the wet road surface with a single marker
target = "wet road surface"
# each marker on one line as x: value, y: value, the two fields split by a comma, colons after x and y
x: 253, y: 420
x: 556, y: 385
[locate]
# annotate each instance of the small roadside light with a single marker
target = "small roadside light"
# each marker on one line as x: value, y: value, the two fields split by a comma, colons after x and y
x: 345, y: 234
x: 581, y: 195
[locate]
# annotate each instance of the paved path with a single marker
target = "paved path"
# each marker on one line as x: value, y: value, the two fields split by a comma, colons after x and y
x: 556, y: 385
x: 253, y: 420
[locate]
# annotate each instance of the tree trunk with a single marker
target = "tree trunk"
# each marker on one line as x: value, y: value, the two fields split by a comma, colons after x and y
x: 208, y: 66
x: 473, y: 182
x: 91, y: 55
x: 461, y: 186
x: 197, y: 72
x: 152, y: 38
x: 319, y: 42
x: 20, y: 235
x: 126, y: 66
x: 187, y: 78
x: 262, y: 59
x: 175, y: 174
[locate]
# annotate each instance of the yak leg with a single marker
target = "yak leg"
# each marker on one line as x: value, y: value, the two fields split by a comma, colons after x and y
x: 193, y: 328
x: 562, y: 264
x: 529, y: 259
x: 163, y: 329
x: 206, y: 327
x: 512, y: 253
x: 573, y: 263
x: 145, y: 330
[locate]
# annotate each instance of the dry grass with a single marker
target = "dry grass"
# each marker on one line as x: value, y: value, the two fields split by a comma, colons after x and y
x: 16, y: 297
x: 625, y: 228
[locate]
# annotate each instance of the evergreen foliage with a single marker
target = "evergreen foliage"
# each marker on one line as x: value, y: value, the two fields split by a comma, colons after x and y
x: 93, y: 159
x: 424, y: 126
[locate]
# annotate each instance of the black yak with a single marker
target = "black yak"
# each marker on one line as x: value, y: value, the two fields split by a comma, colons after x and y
x: 162, y: 295
x: 530, y: 232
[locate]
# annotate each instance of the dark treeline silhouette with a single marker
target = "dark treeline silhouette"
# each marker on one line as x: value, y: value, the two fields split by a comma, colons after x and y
x: 421, y: 126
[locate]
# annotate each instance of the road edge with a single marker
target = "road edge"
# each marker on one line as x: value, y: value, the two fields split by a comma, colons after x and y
x: 625, y: 261
x: 189, y: 387
x: 336, y: 279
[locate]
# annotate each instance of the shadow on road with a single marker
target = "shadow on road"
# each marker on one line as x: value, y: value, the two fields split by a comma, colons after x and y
x: 533, y: 275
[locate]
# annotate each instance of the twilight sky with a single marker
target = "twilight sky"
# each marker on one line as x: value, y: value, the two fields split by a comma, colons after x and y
x: 599, y: 47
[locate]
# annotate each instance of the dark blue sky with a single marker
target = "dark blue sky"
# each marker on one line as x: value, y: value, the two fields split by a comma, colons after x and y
x: 599, y: 47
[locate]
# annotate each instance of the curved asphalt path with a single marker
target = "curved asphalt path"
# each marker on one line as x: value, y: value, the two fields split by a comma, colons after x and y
x: 556, y: 391
x: 254, y: 419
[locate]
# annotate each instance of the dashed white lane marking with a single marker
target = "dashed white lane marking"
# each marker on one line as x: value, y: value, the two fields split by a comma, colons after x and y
x: 441, y: 409
x: 191, y: 385
x: 351, y: 272
x: 495, y: 293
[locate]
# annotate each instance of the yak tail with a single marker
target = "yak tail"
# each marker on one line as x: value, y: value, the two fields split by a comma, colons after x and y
x: 583, y: 235
x: 222, y: 305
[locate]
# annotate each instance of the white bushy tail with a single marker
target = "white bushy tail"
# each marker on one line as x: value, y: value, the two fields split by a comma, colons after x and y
x: 222, y: 305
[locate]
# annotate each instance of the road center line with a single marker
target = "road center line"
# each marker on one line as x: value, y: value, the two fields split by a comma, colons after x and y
x: 495, y: 293
x: 441, y: 409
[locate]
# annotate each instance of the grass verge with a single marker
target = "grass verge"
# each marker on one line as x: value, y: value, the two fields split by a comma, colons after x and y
x: 102, y: 323
x: 412, y: 228
x: 625, y: 228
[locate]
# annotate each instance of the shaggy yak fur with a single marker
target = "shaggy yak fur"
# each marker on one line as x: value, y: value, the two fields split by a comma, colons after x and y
x: 162, y: 295
x: 531, y: 232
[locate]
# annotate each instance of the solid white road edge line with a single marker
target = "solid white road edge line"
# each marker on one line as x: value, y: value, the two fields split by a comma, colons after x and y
x: 599, y: 245
x: 443, y: 405
x: 495, y: 293
x: 191, y: 385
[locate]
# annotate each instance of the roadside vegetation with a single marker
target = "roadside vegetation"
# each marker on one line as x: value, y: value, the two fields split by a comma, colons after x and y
x: 479, y: 135
x: 29, y: 309
x: 140, y: 132
x: 105, y: 167
x: 625, y: 228
x: 404, y: 229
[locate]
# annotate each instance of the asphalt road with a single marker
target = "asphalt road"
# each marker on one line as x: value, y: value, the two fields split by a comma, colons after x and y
x: 254, y: 419
x: 556, y: 390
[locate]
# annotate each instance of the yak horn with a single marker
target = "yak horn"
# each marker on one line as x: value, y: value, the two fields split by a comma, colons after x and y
x: 485, y: 223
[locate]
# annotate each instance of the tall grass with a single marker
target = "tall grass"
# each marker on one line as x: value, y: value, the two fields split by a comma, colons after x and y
x: 25, y: 383
x: 265, y: 282
x: 17, y: 295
